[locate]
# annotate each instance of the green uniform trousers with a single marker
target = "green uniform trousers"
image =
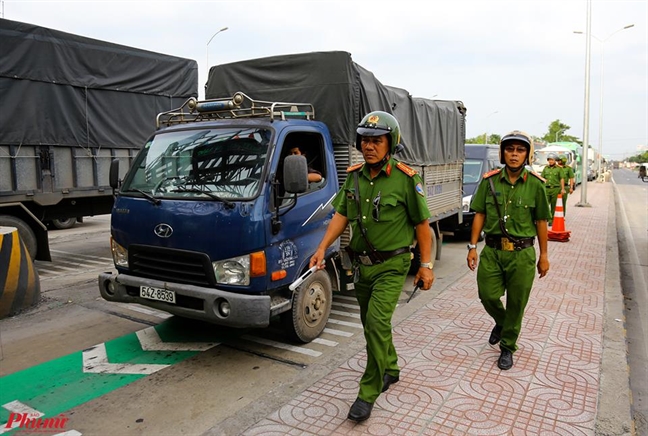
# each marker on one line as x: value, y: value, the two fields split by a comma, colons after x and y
x: 378, y: 290
x: 564, y: 199
x: 512, y: 272
x: 552, y: 196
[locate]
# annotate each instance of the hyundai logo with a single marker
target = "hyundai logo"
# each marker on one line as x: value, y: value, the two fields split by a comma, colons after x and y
x: 163, y: 230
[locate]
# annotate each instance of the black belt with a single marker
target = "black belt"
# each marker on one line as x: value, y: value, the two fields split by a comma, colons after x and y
x: 378, y: 257
x: 554, y: 186
x: 502, y: 243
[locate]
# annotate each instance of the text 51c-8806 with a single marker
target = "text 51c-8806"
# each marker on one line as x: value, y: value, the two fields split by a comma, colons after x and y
x: 157, y: 294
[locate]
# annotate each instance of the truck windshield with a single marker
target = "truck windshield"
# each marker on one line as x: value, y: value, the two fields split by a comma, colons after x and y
x: 221, y: 164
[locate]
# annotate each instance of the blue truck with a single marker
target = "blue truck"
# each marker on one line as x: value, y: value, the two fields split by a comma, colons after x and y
x: 216, y: 219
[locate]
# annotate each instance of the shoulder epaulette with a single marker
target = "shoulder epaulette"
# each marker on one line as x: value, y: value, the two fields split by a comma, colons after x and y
x: 492, y: 173
x: 538, y: 176
x: 407, y: 170
x: 355, y: 167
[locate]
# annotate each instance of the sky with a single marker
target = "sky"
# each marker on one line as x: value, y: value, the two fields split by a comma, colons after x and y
x: 515, y: 64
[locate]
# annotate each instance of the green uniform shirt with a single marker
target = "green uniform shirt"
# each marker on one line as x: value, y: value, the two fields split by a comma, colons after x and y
x: 400, y: 205
x: 568, y: 174
x: 522, y: 204
x: 552, y: 175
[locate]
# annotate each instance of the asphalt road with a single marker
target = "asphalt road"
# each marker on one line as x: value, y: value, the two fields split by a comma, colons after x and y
x: 631, y: 196
x: 128, y: 369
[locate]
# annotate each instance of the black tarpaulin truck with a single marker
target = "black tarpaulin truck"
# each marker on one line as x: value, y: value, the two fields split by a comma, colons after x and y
x: 69, y: 106
x: 342, y: 92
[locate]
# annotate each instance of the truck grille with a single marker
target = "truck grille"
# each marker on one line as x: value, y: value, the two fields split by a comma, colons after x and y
x: 167, y: 264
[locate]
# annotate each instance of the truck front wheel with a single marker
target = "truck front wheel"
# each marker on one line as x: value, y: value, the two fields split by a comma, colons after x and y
x: 311, y: 307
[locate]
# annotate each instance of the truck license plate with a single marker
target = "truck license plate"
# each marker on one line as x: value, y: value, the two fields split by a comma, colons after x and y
x: 157, y: 294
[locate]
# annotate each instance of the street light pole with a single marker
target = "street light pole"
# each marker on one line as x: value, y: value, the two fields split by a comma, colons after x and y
x: 210, y: 40
x: 486, y: 135
x: 602, y: 41
x: 588, y: 49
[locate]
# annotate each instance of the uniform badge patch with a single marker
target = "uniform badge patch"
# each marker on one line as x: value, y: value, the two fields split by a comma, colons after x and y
x: 419, y: 190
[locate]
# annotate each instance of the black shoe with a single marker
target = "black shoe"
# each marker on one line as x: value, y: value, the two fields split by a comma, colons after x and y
x: 389, y: 380
x: 495, y: 335
x: 505, y: 360
x: 360, y: 410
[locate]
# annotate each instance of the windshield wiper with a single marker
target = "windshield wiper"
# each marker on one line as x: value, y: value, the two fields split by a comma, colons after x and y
x: 210, y: 194
x: 146, y: 195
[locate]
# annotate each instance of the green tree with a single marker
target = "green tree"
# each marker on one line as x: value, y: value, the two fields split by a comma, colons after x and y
x: 481, y: 139
x: 557, y: 133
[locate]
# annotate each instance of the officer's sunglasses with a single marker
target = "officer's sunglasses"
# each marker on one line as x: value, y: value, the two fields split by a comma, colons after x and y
x: 375, y: 213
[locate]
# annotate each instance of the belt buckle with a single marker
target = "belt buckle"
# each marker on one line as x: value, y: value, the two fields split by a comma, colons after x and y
x: 365, y: 260
x: 507, y: 245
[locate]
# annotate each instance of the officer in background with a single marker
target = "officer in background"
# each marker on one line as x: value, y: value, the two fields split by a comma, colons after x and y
x: 511, y: 207
x: 384, y: 202
x: 554, y: 181
x: 569, y: 177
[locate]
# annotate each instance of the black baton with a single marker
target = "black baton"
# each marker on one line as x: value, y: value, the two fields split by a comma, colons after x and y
x: 419, y: 284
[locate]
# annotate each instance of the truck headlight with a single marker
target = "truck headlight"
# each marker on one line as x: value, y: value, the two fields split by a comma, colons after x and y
x: 465, y: 203
x: 234, y: 271
x: 119, y: 254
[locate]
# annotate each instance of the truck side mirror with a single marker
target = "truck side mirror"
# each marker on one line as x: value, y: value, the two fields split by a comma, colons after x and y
x: 295, y: 174
x: 113, y: 174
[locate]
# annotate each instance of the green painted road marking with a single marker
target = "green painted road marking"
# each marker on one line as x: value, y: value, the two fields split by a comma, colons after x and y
x: 59, y: 385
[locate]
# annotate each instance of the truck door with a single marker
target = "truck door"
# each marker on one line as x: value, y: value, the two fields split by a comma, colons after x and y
x: 302, y: 223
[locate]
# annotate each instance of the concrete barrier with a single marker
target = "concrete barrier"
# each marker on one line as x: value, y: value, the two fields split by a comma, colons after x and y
x: 19, y: 281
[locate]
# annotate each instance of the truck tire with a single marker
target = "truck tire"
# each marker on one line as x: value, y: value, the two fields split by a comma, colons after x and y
x: 416, y: 255
x: 27, y: 235
x: 66, y: 223
x: 311, y: 307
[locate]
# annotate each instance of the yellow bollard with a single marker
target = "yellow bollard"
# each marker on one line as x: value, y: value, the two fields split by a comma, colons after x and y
x: 19, y: 281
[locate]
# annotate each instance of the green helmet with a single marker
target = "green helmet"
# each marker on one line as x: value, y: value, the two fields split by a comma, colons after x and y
x: 562, y: 158
x: 517, y: 136
x: 379, y: 123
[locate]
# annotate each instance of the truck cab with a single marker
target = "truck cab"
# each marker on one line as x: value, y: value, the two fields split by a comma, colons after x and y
x: 215, y: 219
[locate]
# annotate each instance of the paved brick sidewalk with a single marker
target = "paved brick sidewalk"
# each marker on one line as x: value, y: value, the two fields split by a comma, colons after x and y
x: 450, y: 383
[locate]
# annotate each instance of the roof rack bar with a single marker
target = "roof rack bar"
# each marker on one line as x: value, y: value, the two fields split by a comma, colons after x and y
x: 238, y: 106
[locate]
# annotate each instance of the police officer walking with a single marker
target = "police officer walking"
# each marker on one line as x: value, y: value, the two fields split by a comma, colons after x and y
x: 555, y: 182
x: 511, y: 207
x: 384, y: 202
x: 569, y: 178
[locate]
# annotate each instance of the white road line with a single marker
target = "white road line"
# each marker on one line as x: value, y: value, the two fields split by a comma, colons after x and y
x: 77, y: 255
x: 151, y: 341
x: 95, y: 360
x: 144, y: 310
x: 345, y: 297
x: 348, y: 324
x: 325, y: 342
x: 18, y: 407
x: 68, y: 433
x: 338, y: 332
x: 347, y: 306
x: 276, y: 344
x: 347, y: 314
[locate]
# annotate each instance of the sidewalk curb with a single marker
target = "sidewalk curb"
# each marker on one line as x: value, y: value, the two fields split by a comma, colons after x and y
x: 614, y: 415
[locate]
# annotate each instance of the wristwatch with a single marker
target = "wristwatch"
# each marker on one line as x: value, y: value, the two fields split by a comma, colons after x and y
x: 427, y: 265
x: 471, y: 246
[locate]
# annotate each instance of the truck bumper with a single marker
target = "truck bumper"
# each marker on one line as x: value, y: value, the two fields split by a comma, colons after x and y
x: 191, y: 301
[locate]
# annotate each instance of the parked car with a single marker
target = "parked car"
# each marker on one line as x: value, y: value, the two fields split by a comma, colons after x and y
x: 480, y: 159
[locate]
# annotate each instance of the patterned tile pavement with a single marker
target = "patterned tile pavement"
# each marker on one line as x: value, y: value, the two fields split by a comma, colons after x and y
x: 450, y: 383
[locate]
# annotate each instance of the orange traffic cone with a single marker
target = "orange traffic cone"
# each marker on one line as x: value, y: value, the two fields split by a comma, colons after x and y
x: 558, y: 232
